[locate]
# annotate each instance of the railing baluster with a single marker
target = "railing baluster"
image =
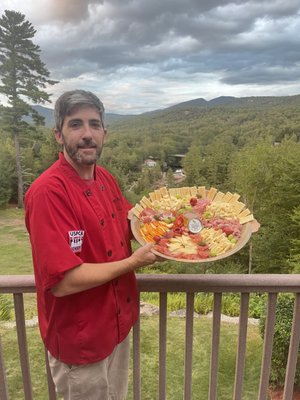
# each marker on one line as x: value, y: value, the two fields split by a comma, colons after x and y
x: 22, y: 342
x: 184, y: 283
x: 293, y: 352
x: 136, y: 362
x: 189, y: 346
x: 241, y: 348
x: 51, y: 386
x: 3, y: 385
x: 162, y: 344
x: 268, y: 345
x: 215, y: 346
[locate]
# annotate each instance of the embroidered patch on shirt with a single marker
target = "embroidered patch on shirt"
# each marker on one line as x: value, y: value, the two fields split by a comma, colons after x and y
x: 76, y: 240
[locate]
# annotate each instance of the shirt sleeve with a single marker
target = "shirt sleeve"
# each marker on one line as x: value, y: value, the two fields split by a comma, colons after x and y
x: 49, y: 218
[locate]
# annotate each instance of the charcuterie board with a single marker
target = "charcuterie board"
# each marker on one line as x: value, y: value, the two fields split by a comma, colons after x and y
x: 192, y: 224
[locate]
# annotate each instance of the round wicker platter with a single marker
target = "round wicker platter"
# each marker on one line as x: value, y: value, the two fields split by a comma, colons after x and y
x: 171, y: 200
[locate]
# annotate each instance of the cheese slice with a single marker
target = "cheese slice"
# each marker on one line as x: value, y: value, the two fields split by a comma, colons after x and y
x: 246, y: 219
x: 202, y: 191
x: 227, y: 197
x: 238, y: 206
x: 234, y: 198
x: 244, y: 213
x: 147, y: 202
x: 136, y: 212
x: 193, y: 191
x: 219, y: 197
x: 157, y: 194
x: 164, y: 191
x: 211, y: 193
x: 152, y: 196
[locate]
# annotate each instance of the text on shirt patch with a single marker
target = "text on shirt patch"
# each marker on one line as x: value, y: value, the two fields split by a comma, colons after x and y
x: 76, y: 240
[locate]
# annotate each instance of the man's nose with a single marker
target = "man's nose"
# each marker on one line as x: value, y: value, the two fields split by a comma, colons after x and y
x: 86, y: 130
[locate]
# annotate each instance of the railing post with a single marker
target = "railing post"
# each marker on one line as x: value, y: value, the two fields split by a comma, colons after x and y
x: 241, y: 349
x: 51, y: 386
x: 136, y: 361
x: 215, y: 347
x: 293, y: 352
x: 268, y: 345
x: 188, y: 346
x: 162, y: 344
x: 3, y: 385
x: 22, y: 342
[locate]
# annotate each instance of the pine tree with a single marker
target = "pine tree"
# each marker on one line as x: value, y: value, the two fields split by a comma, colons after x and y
x: 24, y: 77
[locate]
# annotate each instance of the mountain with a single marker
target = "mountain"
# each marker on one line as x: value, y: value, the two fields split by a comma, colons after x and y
x: 48, y: 114
x: 45, y: 112
x: 222, y: 101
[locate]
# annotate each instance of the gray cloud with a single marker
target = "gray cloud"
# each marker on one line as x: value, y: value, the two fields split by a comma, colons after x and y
x: 239, y: 42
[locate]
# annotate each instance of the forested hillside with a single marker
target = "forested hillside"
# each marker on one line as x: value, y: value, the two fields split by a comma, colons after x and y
x: 248, y: 145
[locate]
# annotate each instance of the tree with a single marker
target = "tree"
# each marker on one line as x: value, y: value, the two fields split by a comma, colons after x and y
x: 268, y: 176
x: 7, y: 176
x: 23, y: 76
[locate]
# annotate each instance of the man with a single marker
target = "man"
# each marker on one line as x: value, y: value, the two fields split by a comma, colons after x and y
x: 84, y: 269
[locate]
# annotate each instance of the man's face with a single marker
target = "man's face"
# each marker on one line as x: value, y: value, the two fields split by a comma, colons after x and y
x: 82, y: 136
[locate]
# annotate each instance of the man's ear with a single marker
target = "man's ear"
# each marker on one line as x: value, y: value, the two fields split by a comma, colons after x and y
x: 105, y: 134
x: 57, y: 135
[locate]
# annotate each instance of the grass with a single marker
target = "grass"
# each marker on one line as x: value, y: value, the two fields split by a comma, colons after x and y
x: 15, y: 251
x: 15, y: 255
x: 149, y: 361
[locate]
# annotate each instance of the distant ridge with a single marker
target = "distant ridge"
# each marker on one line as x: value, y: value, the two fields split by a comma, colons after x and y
x: 226, y: 101
x: 48, y: 114
x: 203, y: 102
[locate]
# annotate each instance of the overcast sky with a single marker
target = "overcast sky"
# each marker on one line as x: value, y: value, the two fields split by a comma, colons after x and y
x: 141, y: 55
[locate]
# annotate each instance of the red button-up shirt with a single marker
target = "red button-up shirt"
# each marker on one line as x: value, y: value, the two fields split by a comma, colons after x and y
x: 71, y: 222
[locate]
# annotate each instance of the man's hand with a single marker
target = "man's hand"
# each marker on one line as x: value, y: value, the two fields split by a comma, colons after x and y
x: 89, y: 275
x: 144, y: 256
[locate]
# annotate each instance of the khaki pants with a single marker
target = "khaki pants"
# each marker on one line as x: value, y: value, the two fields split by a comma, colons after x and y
x: 104, y: 380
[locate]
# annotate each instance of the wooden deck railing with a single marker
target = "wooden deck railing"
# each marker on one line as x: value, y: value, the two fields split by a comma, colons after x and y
x: 272, y: 285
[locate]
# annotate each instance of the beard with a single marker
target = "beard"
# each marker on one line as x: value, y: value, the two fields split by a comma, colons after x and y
x: 78, y: 154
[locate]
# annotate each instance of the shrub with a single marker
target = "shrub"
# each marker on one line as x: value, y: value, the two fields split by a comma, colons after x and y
x: 281, y: 340
x: 6, y: 307
x: 257, y: 305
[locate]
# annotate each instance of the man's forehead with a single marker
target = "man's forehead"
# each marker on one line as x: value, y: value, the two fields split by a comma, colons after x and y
x: 84, y: 108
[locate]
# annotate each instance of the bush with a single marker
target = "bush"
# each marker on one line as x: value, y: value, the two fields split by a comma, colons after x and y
x: 281, y: 340
x: 204, y: 303
x: 257, y: 305
x: 6, y: 307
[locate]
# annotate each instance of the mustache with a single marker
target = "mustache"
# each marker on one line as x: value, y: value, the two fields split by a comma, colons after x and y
x: 87, y: 144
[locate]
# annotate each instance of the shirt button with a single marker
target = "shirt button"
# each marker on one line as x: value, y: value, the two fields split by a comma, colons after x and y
x: 109, y: 253
x: 102, y: 222
x: 113, y: 215
x: 88, y: 193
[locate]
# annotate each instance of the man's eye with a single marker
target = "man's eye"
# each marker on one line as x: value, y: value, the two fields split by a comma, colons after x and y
x: 96, y: 125
x: 74, y: 124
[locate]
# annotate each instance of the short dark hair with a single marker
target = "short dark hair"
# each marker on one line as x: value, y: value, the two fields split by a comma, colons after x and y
x: 68, y: 100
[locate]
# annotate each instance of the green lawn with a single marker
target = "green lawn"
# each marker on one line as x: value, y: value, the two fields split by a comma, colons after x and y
x: 15, y: 251
x: 15, y: 256
x: 149, y: 360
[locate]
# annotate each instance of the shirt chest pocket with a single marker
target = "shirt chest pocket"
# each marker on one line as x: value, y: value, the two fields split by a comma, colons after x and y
x: 115, y: 214
x: 118, y: 205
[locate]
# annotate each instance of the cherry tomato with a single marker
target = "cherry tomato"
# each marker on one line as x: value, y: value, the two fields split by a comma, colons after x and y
x: 156, y: 238
x: 179, y: 221
x: 193, y: 201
